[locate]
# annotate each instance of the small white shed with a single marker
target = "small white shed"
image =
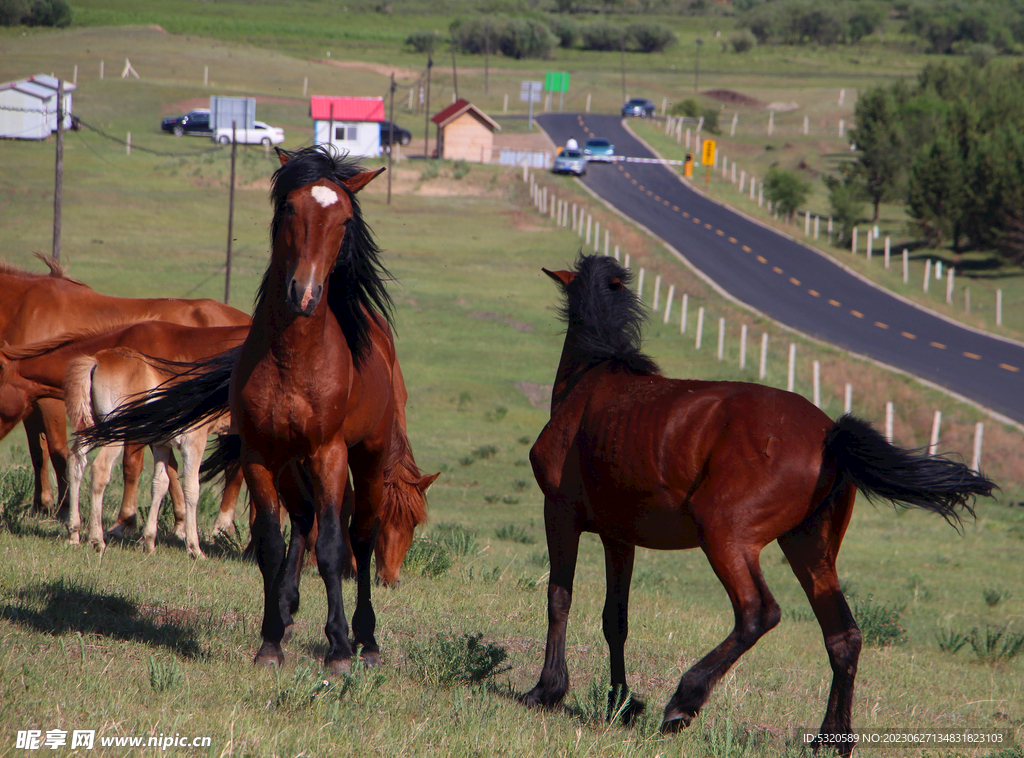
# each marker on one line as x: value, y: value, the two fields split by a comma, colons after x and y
x: 28, y: 107
x: 352, y: 124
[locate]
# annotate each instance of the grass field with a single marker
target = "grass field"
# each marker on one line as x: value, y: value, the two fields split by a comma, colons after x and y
x: 156, y: 645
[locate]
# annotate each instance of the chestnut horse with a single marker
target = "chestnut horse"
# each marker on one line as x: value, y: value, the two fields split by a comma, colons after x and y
x: 37, y: 307
x: 311, y: 392
x: 728, y: 467
x: 34, y: 372
x: 98, y: 384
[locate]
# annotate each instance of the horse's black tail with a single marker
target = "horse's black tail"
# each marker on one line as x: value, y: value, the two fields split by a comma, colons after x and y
x: 881, y: 470
x: 175, y: 407
x: 224, y: 460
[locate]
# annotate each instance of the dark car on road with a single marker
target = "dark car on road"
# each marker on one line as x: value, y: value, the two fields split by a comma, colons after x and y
x: 193, y: 122
x: 639, y: 106
x: 402, y: 136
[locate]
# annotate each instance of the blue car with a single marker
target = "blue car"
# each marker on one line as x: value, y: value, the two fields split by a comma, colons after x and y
x: 570, y: 162
x: 639, y: 106
x: 598, y: 149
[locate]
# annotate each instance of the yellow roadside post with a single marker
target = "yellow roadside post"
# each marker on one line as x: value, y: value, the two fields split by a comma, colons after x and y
x: 708, y: 159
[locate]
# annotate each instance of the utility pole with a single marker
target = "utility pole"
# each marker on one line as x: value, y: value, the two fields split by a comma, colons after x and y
x: 426, y: 114
x: 696, y: 65
x: 391, y: 132
x: 231, y: 213
x: 455, y: 73
x: 58, y: 182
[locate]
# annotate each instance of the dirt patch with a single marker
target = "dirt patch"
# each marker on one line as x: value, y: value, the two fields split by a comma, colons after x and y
x: 729, y: 96
x: 377, y: 68
x: 539, y: 395
x: 519, y: 326
x: 782, y: 107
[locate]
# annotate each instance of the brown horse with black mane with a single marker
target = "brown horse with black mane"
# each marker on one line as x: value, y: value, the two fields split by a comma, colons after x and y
x: 37, y: 307
x: 311, y: 391
x: 728, y: 467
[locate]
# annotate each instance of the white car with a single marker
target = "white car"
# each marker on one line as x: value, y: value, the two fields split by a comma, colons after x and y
x: 260, y: 134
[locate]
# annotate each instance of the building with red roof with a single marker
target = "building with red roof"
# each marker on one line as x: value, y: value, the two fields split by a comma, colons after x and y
x: 351, y: 124
x: 464, y: 132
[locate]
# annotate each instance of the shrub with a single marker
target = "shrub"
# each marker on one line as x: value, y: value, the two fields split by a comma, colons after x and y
x: 649, y: 37
x: 846, y: 201
x: 459, y: 170
x: 446, y: 661
x: 785, y: 190
x: 687, y: 107
x: 743, y: 41
x: 879, y: 623
x: 485, y: 451
x: 455, y: 538
x: 430, y: 171
x: 526, y: 38
x: 423, y: 41
x: 710, y: 115
x: 427, y: 558
x: 49, y: 13
x: 566, y: 30
x: 995, y: 595
x: 602, y: 36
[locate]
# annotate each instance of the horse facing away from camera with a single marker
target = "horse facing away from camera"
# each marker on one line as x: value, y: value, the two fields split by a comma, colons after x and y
x: 728, y: 467
x: 37, y: 307
x: 311, y: 393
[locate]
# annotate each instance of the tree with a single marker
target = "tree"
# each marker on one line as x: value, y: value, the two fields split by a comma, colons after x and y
x: 845, y: 198
x: 938, y: 198
x: 880, y: 160
x: 786, y: 190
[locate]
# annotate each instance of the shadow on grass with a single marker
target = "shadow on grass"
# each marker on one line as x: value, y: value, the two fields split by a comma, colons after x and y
x: 59, y: 607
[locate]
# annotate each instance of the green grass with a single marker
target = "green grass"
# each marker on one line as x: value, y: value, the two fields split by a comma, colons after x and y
x: 137, y: 644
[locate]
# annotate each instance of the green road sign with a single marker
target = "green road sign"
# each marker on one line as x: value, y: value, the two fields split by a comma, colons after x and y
x: 556, y: 81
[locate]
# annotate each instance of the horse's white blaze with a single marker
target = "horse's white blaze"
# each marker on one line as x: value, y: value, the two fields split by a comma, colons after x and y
x: 325, y: 196
x: 307, y: 296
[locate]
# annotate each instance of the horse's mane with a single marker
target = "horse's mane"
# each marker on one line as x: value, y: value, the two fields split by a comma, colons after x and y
x: 604, y: 321
x: 57, y: 270
x: 403, y: 504
x: 356, y: 284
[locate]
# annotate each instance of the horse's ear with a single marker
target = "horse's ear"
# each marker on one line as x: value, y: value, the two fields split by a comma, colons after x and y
x: 425, y: 481
x: 359, y: 181
x: 562, y: 277
x: 282, y: 155
x: 615, y: 283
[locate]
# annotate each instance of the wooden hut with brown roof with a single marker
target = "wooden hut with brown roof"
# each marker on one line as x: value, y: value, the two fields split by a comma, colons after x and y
x: 464, y: 132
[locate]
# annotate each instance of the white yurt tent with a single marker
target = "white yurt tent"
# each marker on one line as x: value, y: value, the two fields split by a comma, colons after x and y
x: 28, y: 107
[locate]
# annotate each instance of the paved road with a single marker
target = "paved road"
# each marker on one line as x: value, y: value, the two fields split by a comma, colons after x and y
x: 794, y: 284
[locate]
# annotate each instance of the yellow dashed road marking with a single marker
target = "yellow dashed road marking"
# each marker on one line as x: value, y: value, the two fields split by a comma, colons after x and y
x: 707, y: 226
x: 814, y: 293
x: 909, y: 336
x: 696, y: 221
x: 719, y: 232
x: 762, y: 259
x: 685, y: 214
x: 1008, y: 367
x: 794, y: 281
x: 675, y: 208
x: 732, y: 240
x: 649, y: 193
x: 746, y: 249
x: 858, y: 314
x: 836, y: 303
x: 634, y: 181
x: 880, y: 325
x: 776, y: 269
x: 939, y: 345
x: 972, y: 356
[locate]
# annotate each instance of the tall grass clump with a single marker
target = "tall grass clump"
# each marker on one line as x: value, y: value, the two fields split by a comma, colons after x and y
x: 308, y: 689
x: 445, y: 660
x: 996, y: 645
x: 15, y: 486
x: 427, y: 558
x: 164, y: 676
x: 515, y: 533
x: 455, y: 538
x: 879, y: 623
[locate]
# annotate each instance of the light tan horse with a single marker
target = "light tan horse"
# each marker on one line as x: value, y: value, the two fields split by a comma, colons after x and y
x: 95, y: 386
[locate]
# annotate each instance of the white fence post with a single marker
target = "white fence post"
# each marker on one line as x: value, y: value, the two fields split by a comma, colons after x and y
x: 721, y: 338
x: 936, y: 425
x: 906, y: 266
x: 949, y: 286
x: 682, y: 319
x: 999, y: 307
x: 927, y: 273
x: 848, y: 399
x: 700, y: 327
x: 640, y: 285
x: 668, y: 303
x: 888, y: 421
x: 816, y: 382
x: 597, y: 236
x: 743, y: 347
x: 657, y: 291
x: 791, y: 376
x: 763, y: 369
x: 887, y: 253
x: 979, y: 430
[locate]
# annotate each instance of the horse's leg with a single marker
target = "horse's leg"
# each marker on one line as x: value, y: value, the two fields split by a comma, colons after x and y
x: 132, y: 461
x: 55, y: 426
x: 330, y: 474
x: 161, y: 482
x: 812, y: 549
x: 101, y: 467
x: 563, y: 546
x: 302, y: 525
x: 79, y: 460
x: 363, y: 534
x: 178, y: 499
x: 228, y: 501
x: 618, y: 560
x: 270, y: 549
x: 193, y: 444
x: 42, y: 496
x: 755, y: 612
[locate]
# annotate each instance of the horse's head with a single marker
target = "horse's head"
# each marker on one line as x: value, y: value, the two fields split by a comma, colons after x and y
x: 313, y: 207
x: 408, y: 497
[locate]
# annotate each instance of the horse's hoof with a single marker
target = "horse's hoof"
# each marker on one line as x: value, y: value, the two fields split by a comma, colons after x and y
x: 114, y: 533
x: 339, y: 668
x: 628, y: 713
x: 269, y: 655
x: 534, y: 699
x: 74, y: 539
x: 98, y: 545
x: 674, y: 723
x: 371, y: 660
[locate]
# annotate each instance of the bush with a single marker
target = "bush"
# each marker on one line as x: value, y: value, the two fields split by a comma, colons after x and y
x: 786, y: 190
x: 447, y: 661
x: 845, y: 200
x: 423, y: 42
x: 743, y: 41
x: 602, y: 36
x: 710, y: 115
x: 648, y: 37
x: 49, y: 13
x: 460, y: 169
x: 526, y: 38
x: 567, y: 30
x: 687, y: 107
x: 879, y: 623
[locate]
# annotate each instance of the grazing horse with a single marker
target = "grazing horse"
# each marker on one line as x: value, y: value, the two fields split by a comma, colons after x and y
x: 311, y: 391
x: 37, y: 307
x: 728, y: 467
x: 98, y: 384
x: 34, y: 372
